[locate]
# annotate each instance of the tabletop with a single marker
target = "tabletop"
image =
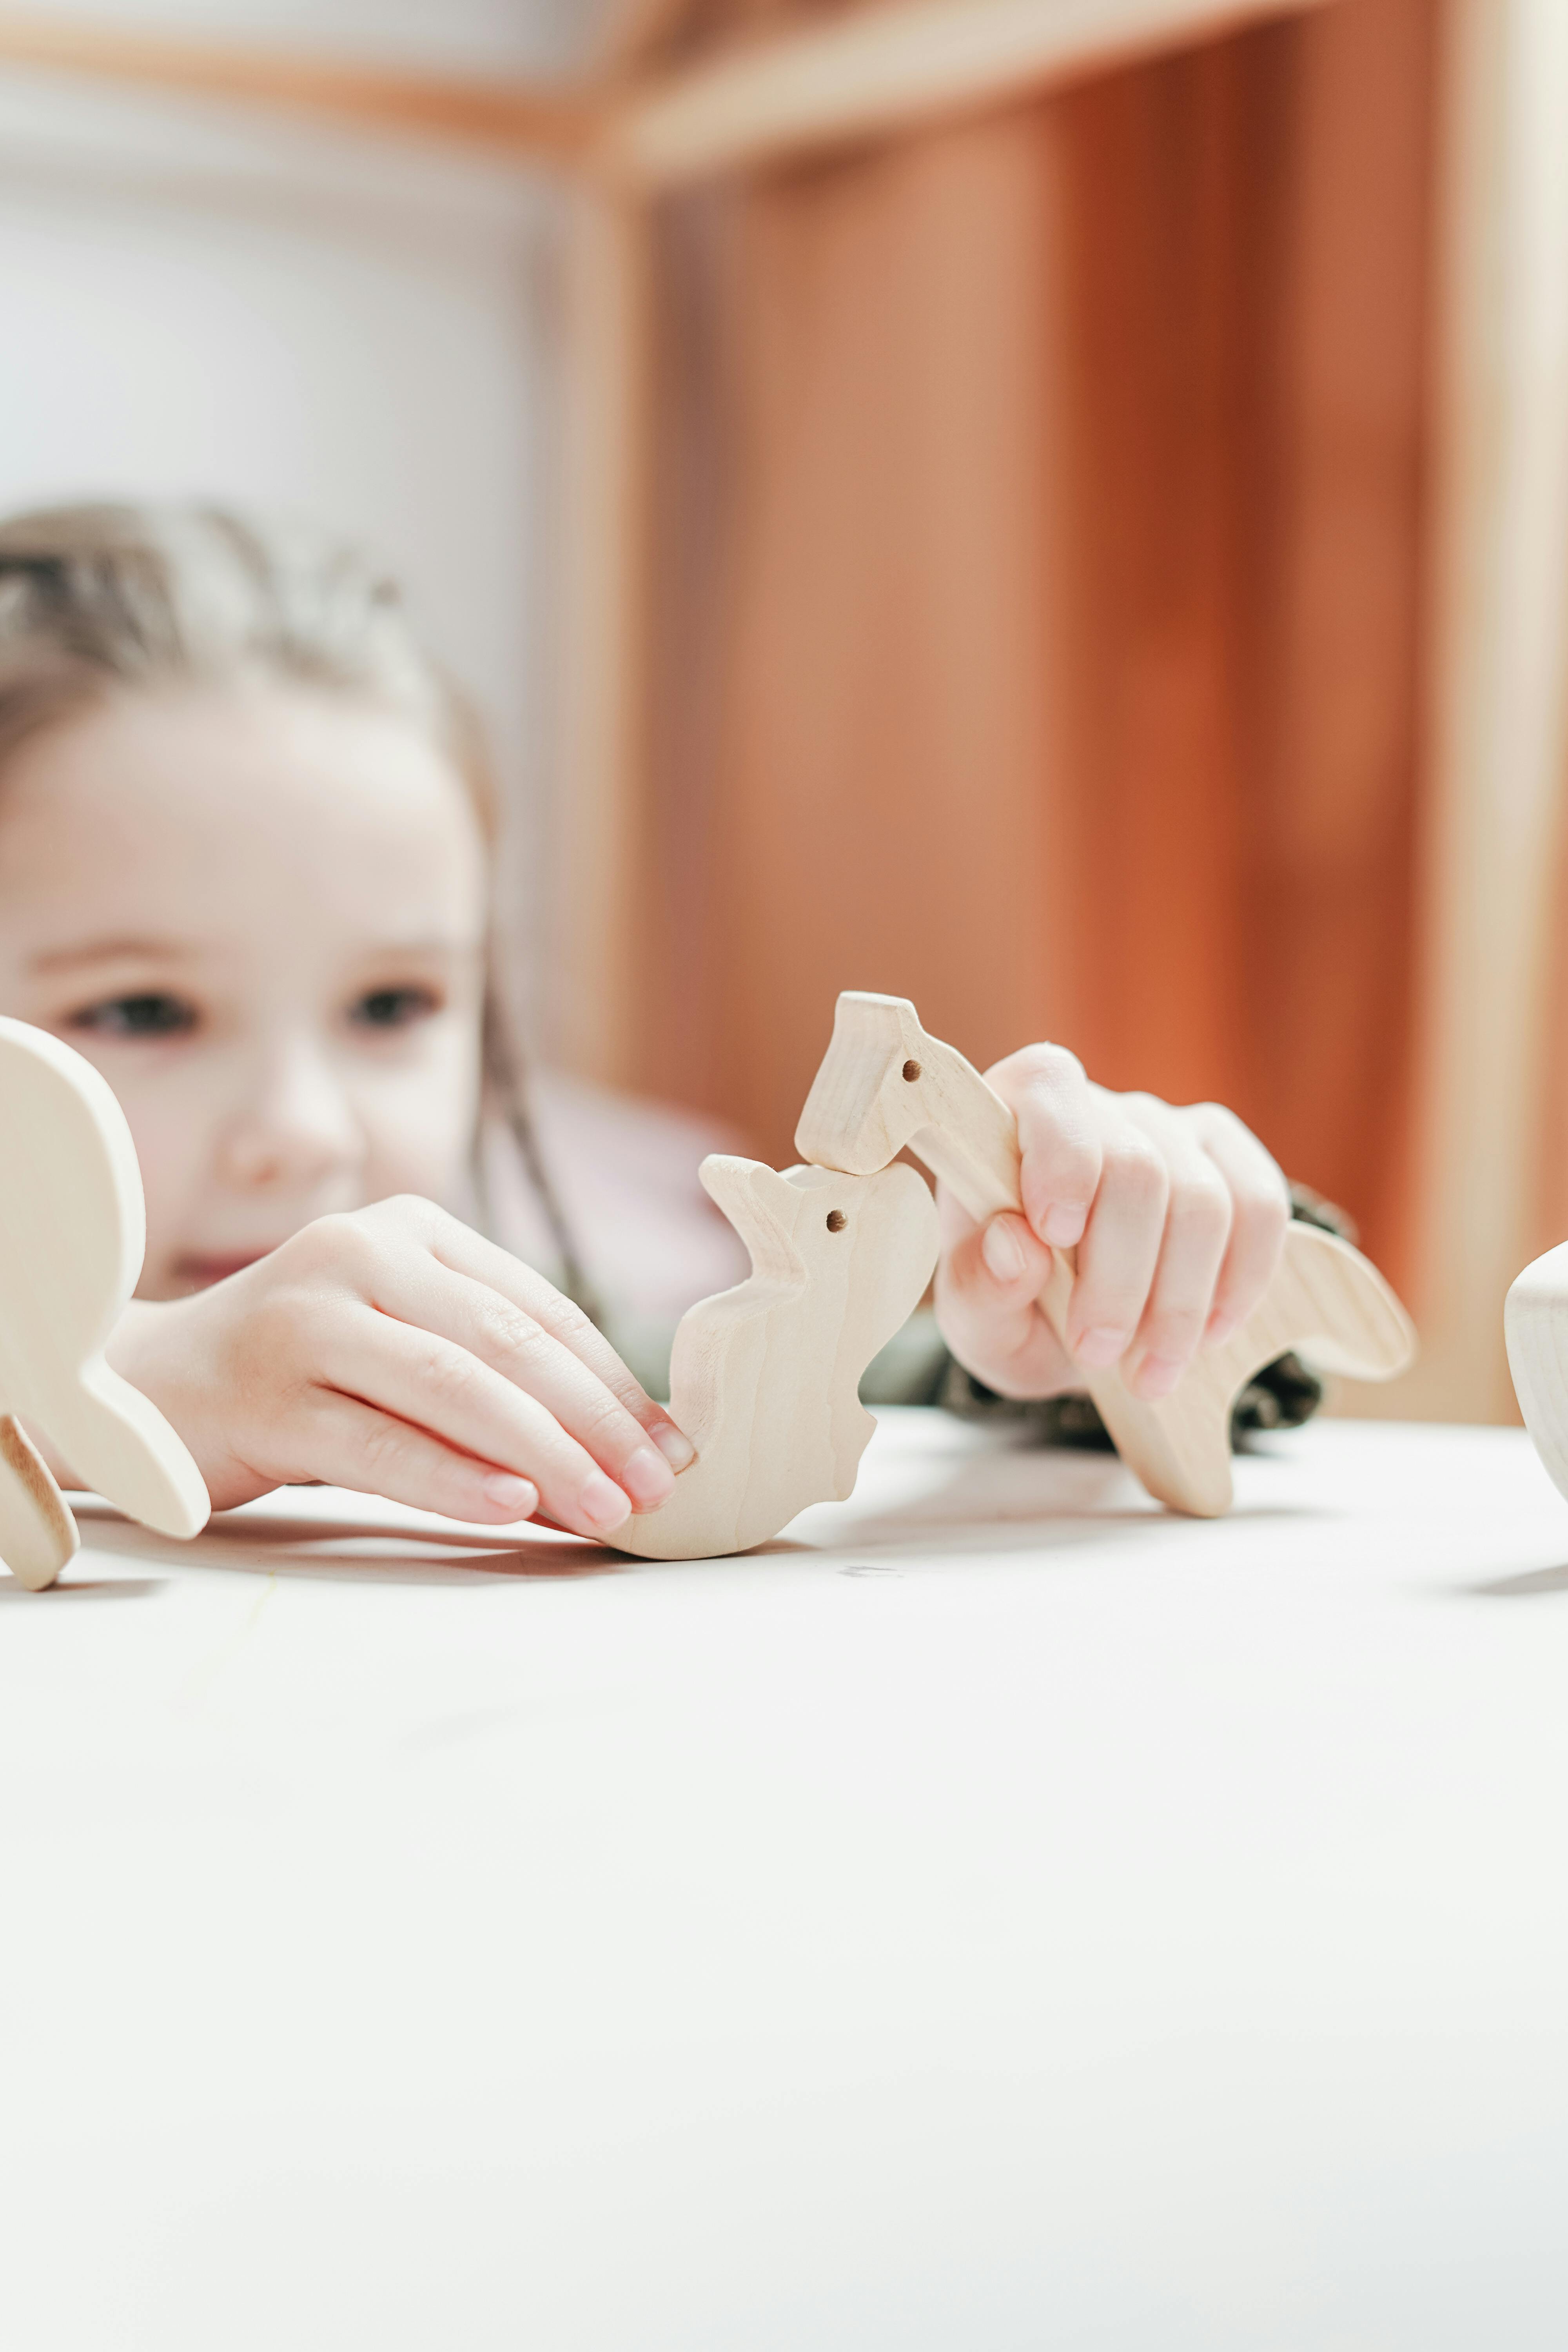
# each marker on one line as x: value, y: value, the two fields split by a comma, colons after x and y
x: 997, y: 1915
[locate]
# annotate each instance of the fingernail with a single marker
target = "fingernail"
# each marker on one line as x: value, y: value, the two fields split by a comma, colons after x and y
x: 602, y: 1503
x: 1100, y: 1346
x: 518, y: 1496
x: 1064, y: 1226
x: 1001, y: 1251
x: 1157, y: 1375
x: 675, y: 1445
x: 646, y: 1477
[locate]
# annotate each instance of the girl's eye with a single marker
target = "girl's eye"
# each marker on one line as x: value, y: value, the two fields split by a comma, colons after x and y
x: 154, y: 1014
x: 394, y: 1008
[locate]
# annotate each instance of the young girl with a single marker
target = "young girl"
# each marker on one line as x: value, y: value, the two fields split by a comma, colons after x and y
x: 245, y: 829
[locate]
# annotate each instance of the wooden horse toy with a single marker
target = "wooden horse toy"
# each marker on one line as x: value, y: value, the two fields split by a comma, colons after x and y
x: 1535, y: 1326
x: 885, y: 1084
x: 764, y: 1378
x: 72, y: 1235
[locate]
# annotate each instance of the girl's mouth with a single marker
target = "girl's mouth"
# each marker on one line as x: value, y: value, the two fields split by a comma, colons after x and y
x: 199, y: 1270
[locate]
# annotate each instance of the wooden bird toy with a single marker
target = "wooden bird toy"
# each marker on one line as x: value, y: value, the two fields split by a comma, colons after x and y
x: 72, y: 1235
x: 885, y: 1084
x: 1535, y: 1326
x: 764, y: 1378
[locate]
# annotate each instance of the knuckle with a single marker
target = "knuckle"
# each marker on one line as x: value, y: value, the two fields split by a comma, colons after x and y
x: 1261, y: 1217
x: 1046, y: 1065
x: 1172, y: 1329
x: 384, y: 1449
x: 321, y: 1243
x: 1218, y: 1119
x: 407, y: 1212
x: 1136, y: 1169
x: 449, y: 1374
x: 598, y: 1423
x: 568, y: 1323
x: 344, y: 1244
x: 1200, y: 1206
x: 507, y: 1333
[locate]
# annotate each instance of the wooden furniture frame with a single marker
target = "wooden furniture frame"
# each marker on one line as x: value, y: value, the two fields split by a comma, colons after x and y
x: 632, y: 130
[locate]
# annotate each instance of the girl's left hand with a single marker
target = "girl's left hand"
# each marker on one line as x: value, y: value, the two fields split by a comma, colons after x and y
x: 1178, y: 1217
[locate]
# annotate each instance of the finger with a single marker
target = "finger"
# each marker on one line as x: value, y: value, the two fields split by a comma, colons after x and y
x: 429, y: 1296
x: 459, y: 1247
x: 433, y: 1385
x: 1197, y: 1227
x: 348, y: 1443
x: 987, y: 1287
x: 988, y: 1283
x: 1260, y: 1216
x: 1120, y: 1247
x: 1059, y: 1138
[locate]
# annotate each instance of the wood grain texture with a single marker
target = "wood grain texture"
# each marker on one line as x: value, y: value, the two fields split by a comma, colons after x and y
x: 72, y: 1233
x: 1244, y: 324
x: 1039, y: 598
x: 765, y: 1378
x: 885, y: 1086
x: 876, y: 72
x: 855, y: 666
x: 38, y: 1533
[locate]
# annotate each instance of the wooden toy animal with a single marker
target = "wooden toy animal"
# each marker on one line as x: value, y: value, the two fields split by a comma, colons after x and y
x: 72, y: 1235
x: 764, y: 1378
x: 1535, y: 1327
x: 885, y: 1084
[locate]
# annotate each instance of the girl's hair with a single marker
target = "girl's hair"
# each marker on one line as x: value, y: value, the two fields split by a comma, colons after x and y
x: 96, y: 601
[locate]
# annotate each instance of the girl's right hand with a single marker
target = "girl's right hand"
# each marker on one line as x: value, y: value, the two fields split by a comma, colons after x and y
x: 396, y: 1351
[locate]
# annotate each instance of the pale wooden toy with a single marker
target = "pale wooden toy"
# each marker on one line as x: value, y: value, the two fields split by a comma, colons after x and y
x: 72, y: 1233
x: 1535, y: 1326
x: 764, y: 1378
x: 885, y: 1084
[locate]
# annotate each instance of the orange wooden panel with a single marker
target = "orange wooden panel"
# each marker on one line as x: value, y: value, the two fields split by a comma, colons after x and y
x: 853, y: 731
x: 1038, y: 591
x: 1246, y: 317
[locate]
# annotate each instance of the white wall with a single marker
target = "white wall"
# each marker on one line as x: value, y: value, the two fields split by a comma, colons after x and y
x: 197, y: 300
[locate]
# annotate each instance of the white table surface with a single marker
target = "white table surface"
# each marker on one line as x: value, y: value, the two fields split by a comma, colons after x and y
x: 1001, y: 1916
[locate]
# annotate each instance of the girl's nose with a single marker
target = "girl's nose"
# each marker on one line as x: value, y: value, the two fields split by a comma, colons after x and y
x: 298, y: 1127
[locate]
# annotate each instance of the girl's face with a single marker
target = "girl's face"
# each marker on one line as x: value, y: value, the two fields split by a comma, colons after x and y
x: 261, y: 913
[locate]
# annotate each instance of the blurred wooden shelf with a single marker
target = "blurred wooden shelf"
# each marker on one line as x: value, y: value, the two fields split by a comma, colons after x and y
x: 874, y: 72
x: 532, y: 121
x: 879, y: 71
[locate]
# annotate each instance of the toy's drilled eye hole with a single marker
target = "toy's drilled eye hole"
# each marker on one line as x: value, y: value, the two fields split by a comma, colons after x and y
x: 912, y: 1072
x: 837, y: 1220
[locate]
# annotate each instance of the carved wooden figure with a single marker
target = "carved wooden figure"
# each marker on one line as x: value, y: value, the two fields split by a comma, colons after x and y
x: 1535, y: 1326
x: 72, y: 1233
x: 764, y: 1378
x: 885, y: 1084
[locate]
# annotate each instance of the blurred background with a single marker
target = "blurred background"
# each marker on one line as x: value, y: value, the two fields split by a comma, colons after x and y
x: 1058, y: 508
